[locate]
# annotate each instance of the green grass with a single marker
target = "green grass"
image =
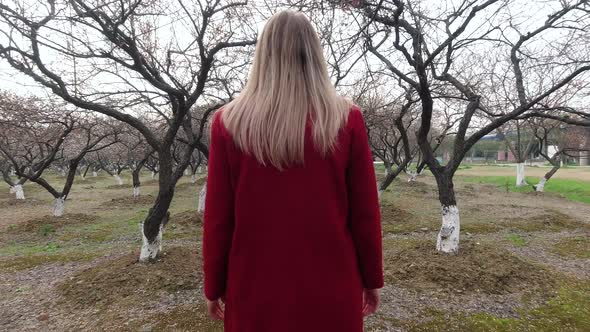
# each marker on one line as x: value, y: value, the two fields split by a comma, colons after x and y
x: 578, y: 247
x: 516, y: 240
x: 571, y: 189
x: 568, y: 311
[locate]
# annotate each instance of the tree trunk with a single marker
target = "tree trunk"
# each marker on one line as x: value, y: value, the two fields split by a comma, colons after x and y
x: 386, y: 169
x: 541, y: 185
x: 17, y: 189
x: 58, y: 206
x: 448, y: 236
x: 136, y: 182
x: 85, y: 172
x: 153, y: 175
x: 158, y: 215
x: 194, y: 178
x: 201, y: 203
x: 520, y: 179
x: 118, y: 179
x: 94, y: 174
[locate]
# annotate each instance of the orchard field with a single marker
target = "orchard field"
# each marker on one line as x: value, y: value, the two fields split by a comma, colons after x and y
x: 524, y: 262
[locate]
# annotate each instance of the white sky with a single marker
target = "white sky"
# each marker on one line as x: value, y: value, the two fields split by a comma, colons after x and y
x: 525, y: 13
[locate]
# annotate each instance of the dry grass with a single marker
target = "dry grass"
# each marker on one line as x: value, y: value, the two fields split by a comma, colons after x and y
x: 125, y: 280
x: 479, y: 268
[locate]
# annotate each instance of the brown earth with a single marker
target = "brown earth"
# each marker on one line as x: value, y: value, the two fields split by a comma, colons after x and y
x: 129, y: 201
x: 35, y: 224
x: 125, y: 280
x: 186, y: 218
x: 479, y: 268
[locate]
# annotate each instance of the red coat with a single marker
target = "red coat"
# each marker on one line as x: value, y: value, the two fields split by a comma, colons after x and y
x: 291, y: 250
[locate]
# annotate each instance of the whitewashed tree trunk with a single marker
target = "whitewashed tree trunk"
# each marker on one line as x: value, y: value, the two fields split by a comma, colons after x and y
x: 118, y: 179
x: 185, y: 172
x: 520, y: 180
x: 94, y: 174
x: 136, y: 192
x: 18, y: 191
x: 194, y: 178
x: 12, y: 190
x: 153, y: 175
x: 58, y: 207
x: 150, y: 251
x: 379, y: 191
x: 62, y: 172
x: 448, y: 237
x: 539, y: 187
x: 413, y: 176
x: 201, y: 203
x: 199, y: 169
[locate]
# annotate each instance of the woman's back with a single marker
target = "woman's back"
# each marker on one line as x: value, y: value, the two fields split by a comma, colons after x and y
x: 290, y: 241
x: 292, y: 234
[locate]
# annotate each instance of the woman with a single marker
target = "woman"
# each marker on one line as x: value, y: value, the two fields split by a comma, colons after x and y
x: 292, y: 234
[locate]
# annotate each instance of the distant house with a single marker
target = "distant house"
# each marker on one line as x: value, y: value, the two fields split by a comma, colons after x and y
x: 505, y: 155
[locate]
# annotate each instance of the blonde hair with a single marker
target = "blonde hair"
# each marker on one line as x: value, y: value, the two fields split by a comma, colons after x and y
x: 288, y: 83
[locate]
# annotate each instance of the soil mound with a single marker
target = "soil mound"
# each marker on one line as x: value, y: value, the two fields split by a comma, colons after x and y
x: 186, y: 185
x: 35, y: 225
x: 197, y: 184
x: 12, y: 202
x: 122, y: 202
x: 183, y: 318
x: 400, y: 221
x: 393, y: 214
x: 550, y: 220
x: 121, y: 186
x: 477, y: 268
x: 124, y: 279
x: 186, y: 218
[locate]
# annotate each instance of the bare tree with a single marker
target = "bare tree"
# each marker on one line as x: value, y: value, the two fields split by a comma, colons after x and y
x: 37, y: 135
x: 520, y: 140
x: 473, y: 54
x: 558, y: 141
x: 161, y: 57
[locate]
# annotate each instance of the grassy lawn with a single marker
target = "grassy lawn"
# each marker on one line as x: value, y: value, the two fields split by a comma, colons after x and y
x: 574, y: 190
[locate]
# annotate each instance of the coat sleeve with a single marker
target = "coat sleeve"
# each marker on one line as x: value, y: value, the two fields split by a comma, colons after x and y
x: 364, y: 212
x: 219, y: 215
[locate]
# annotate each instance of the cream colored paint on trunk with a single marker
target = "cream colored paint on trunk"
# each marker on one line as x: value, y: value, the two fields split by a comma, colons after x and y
x: 18, y: 191
x: 520, y: 177
x: 539, y: 187
x: 448, y: 236
x: 201, y: 203
x: 59, y: 206
x: 150, y: 250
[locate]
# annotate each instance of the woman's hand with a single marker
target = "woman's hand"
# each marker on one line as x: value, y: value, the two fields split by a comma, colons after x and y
x: 371, y: 301
x: 215, y: 309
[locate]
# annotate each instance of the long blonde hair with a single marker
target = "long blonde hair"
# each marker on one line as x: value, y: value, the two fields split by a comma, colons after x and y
x: 288, y: 82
